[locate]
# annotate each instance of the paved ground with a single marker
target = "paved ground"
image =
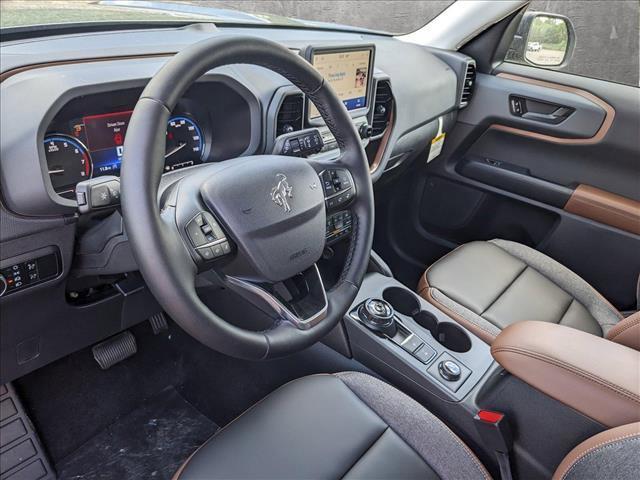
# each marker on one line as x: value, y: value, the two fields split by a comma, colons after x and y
x: 546, y: 57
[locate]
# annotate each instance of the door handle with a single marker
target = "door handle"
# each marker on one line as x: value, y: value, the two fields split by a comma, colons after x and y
x: 538, y: 110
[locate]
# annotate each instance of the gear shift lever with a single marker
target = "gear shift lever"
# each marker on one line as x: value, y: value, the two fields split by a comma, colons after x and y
x: 379, y: 316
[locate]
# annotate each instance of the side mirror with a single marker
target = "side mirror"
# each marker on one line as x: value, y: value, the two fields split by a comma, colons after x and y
x: 543, y: 39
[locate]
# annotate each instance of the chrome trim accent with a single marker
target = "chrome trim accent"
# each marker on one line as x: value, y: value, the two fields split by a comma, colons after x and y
x: 211, y: 244
x: 249, y: 290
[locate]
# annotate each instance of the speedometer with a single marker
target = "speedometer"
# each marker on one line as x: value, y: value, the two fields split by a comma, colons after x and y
x: 185, y: 145
x: 68, y: 162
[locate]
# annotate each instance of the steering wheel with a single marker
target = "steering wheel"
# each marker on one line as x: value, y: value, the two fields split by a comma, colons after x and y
x: 265, y: 213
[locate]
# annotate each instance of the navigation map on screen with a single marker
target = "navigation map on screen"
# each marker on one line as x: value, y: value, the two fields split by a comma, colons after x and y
x: 348, y: 74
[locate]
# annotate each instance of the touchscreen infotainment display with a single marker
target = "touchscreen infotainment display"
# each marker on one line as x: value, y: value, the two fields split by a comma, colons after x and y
x: 348, y: 73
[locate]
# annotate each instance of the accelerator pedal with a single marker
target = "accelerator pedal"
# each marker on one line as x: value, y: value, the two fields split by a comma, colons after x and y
x: 115, y: 349
x: 158, y: 323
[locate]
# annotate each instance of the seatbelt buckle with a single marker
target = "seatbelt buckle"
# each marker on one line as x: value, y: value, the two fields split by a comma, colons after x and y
x: 495, y: 433
x: 494, y: 430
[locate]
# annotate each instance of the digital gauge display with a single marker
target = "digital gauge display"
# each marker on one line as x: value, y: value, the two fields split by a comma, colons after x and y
x: 105, y: 138
x: 96, y: 147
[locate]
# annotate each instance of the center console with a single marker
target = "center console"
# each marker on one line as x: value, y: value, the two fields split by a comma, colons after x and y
x: 391, y: 327
x: 418, y: 348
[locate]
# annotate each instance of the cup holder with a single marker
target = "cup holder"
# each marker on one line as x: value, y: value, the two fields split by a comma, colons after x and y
x: 402, y: 300
x: 449, y: 335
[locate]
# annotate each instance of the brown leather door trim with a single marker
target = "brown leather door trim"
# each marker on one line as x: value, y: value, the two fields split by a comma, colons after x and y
x: 605, y: 207
x: 610, y: 114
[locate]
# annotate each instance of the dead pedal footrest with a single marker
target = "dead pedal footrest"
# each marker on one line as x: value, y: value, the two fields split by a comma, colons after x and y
x: 115, y: 349
x: 21, y: 453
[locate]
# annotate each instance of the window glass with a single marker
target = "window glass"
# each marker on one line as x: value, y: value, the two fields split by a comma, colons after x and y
x: 606, y: 39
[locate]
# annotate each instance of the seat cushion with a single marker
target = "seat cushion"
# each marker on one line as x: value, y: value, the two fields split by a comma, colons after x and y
x: 487, y: 286
x: 348, y: 425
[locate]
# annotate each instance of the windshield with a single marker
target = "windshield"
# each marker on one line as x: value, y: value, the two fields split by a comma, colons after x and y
x: 395, y: 17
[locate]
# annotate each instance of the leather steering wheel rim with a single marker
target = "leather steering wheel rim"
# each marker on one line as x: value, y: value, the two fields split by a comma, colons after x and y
x: 161, y: 254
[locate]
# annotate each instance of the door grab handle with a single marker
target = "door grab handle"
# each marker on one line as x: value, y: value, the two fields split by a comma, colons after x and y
x: 520, y: 107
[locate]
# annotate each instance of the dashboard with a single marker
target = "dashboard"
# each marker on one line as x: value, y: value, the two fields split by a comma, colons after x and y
x: 66, y: 104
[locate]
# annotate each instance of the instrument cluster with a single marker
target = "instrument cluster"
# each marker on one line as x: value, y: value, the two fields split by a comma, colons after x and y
x: 93, y: 146
x: 214, y: 121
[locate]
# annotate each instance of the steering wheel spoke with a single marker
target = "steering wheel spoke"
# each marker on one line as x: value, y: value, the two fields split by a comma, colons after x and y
x: 300, y: 300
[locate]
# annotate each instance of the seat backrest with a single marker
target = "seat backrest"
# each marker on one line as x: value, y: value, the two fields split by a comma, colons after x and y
x: 614, y: 453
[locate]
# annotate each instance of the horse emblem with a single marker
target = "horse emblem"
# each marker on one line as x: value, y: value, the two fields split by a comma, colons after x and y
x: 281, y: 192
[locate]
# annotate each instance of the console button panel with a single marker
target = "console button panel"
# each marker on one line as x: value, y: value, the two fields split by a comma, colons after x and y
x: 28, y: 273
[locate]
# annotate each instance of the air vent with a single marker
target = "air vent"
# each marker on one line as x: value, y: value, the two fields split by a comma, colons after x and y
x: 382, y: 108
x: 467, y: 86
x: 290, y: 114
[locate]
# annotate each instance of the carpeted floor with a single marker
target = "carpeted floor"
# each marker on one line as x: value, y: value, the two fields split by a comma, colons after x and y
x: 155, y: 406
x: 150, y: 442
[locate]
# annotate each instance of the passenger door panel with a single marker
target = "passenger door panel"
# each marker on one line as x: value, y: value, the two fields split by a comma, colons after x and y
x: 569, y: 189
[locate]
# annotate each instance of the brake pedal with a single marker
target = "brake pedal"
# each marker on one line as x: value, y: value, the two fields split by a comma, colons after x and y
x: 115, y: 349
x: 158, y: 323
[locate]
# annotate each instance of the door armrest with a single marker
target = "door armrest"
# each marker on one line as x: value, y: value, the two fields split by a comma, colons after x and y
x: 593, y: 375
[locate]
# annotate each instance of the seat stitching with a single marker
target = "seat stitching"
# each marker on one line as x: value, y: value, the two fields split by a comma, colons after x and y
x: 601, y: 445
x: 559, y: 363
x: 376, y: 440
x: 451, y: 312
x: 624, y: 328
x: 505, y: 289
x: 440, y: 423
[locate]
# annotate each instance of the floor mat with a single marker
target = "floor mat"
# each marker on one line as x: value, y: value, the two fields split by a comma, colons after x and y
x: 150, y: 442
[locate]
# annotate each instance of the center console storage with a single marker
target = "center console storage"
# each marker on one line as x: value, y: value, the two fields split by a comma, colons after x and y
x: 389, y: 326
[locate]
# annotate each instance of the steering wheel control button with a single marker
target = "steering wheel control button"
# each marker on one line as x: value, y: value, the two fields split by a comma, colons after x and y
x: 206, y: 253
x: 338, y: 226
x: 425, y: 354
x: 449, y: 370
x: 195, y: 234
x: 338, y: 187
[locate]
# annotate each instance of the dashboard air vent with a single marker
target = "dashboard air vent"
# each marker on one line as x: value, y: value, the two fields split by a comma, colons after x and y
x: 468, y: 83
x: 382, y: 108
x: 290, y: 114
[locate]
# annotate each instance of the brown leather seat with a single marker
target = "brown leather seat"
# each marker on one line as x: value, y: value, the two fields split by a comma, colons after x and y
x: 487, y: 286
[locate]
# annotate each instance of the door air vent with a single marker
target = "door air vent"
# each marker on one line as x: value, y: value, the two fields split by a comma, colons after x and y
x: 382, y: 108
x: 290, y: 114
x: 468, y: 83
